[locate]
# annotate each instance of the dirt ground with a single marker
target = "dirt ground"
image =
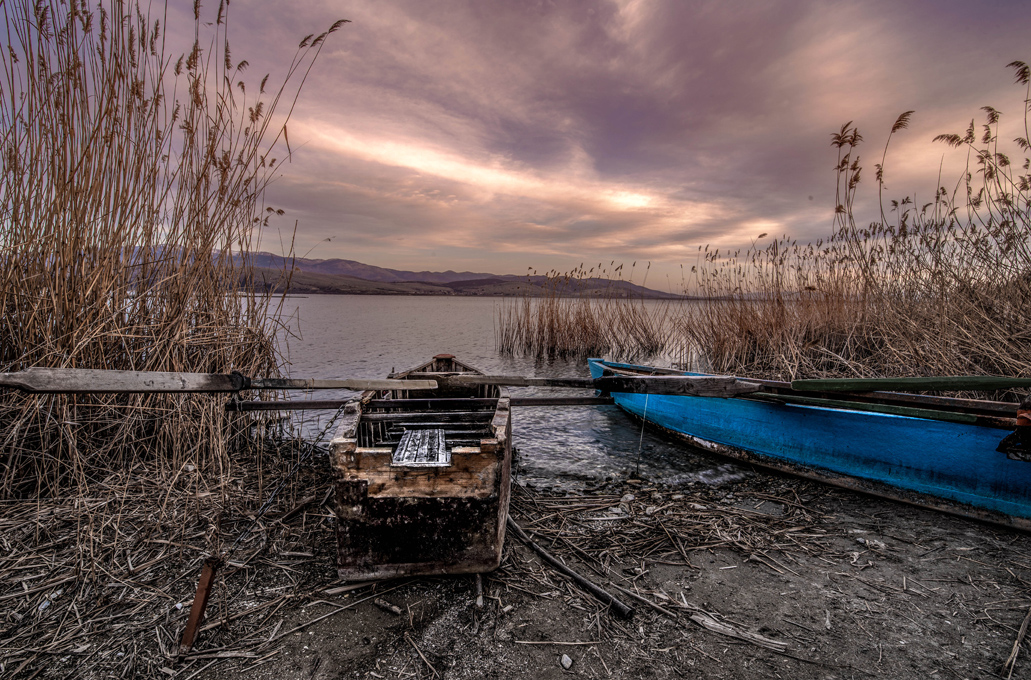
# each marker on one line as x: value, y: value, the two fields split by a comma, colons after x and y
x: 761, y: 577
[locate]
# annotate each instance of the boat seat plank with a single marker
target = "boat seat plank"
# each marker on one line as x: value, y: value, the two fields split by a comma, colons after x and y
x: 422, y: 448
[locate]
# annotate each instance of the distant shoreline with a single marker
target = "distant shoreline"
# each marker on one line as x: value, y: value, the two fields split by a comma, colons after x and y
x: 666, y: 296
x: 349, y: 277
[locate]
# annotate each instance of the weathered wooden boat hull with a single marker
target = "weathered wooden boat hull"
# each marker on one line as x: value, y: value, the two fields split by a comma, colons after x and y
x: 943, y: 465
x: 423, y: 518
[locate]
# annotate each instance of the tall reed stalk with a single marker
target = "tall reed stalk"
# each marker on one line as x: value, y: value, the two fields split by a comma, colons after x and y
x: 132, y: 194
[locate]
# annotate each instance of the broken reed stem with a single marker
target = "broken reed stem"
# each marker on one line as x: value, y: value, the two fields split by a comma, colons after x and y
x: 1011, y: 661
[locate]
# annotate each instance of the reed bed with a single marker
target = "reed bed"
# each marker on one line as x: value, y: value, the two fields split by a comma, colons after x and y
x: 938, y: 288
x: 132, y: 194
x: 573, y: 320
x: 932, y: 288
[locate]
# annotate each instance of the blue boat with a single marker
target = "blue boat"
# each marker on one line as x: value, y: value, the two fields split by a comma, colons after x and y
x: 930, y: 451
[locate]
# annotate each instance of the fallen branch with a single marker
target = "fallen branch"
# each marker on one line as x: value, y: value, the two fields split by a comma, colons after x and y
x: 602, y: 595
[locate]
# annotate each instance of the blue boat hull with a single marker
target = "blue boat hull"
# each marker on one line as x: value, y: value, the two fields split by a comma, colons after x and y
x: 949, y: 466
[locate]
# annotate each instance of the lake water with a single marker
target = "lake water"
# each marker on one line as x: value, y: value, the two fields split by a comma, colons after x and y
x: 366, y: 336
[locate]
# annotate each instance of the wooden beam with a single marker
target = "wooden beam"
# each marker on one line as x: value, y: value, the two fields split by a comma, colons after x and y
x: 425, y: 404
x: 721, y: 386
x: 200, y: 603
x: 562, y: 401
x: 305, y: 405
x: 942, y: 383
x: 428, y: 416
x: 516, y: 381
x: 691, y: 385
x: 349, y: 384
x: 76, y: 380
x: 81, y: 380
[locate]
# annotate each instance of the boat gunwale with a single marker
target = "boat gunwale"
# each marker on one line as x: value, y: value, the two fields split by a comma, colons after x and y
x: 851, y: 482
x: 777, y: 387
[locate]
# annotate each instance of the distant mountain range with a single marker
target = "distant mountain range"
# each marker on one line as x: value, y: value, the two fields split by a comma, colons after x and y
x: 355, y: 278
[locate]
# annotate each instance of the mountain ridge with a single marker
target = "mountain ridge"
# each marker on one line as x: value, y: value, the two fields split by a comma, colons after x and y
x: 350, y: 277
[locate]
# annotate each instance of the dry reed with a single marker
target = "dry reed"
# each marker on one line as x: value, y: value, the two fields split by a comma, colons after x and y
x: 935, y: 289
x: 572, y: 319
x: 131, y: 196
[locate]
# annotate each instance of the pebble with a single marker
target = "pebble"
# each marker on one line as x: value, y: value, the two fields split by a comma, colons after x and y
x: 650, y: 510
x: 627, y: 498
x: 566, y: 662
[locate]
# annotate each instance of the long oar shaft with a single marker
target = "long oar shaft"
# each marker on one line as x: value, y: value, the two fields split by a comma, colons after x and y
x: 82, y: 380
x: 941, y: 383
x: 76, y: 380
x: 689, y: 385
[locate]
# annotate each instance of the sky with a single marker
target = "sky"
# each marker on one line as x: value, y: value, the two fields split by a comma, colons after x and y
x: 501, y: 136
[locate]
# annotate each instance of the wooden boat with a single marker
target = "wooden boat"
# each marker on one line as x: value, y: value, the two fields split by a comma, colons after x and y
x: 423, y: 478
x: 931, y: 451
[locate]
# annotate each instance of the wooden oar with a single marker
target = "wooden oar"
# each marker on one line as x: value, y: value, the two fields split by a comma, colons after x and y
x: 941, y: 383
x: 329, y: 404
x: 676, y: 385
x: 81, y: 380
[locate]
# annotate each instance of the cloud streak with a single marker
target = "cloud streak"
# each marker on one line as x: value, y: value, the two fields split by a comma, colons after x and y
x: 501, y: 136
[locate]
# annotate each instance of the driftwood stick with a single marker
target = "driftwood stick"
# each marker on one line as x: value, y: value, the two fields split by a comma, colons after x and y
x: 602, y: 595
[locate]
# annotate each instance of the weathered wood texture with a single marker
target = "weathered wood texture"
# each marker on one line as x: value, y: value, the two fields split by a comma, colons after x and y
x: 400, y: 519
x: 562, y: 401
x: 314, y: 405
x: 694, y: 386
x: 79, y: 380
x: 698, y: 386
x: 349, y: 384
x: 75, y: 380
x: 422, y: 448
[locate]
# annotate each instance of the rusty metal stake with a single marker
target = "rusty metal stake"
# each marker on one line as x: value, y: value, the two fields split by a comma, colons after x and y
x: 200, y: 602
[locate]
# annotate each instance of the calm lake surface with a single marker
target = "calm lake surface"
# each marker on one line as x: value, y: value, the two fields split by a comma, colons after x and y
x: 368, y: 336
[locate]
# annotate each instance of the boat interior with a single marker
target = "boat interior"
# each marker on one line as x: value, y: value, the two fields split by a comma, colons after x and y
x: 423, y: 428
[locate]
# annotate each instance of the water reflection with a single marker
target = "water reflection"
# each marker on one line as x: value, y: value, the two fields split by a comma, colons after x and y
x: 337, y: 336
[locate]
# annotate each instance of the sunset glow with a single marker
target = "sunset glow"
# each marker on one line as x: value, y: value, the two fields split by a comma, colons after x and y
x: 538, y: 134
